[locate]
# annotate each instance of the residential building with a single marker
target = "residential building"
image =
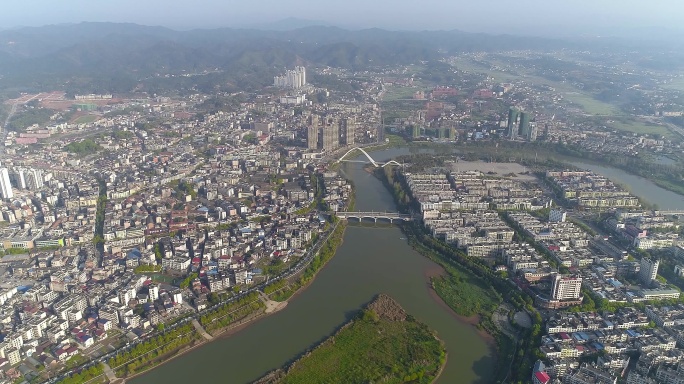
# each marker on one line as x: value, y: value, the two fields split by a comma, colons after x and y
x: 557, y: 216
x: 566, y: 287
x: 5, y: 185
x: 649, y: 270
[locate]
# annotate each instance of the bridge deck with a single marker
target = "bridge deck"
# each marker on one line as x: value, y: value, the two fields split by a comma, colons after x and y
x: 375, y: 215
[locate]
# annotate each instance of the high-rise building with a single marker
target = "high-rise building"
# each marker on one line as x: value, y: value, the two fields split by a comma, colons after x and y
x: 648, y: 270
x: 566, y: 287
x: 513, y: 123
x: 331, y: 134
x: 27, y: 178
x: 18, y: 178
x: 533, y: 132
x: 312, y: 137
x: 416, y: 131
x: 524, y: 129
x: 557, y: 215
x: 5, y: 185
x: 291, y: 79
x: 312, y: 132
x: 347, y: 131
x: 153, y: 291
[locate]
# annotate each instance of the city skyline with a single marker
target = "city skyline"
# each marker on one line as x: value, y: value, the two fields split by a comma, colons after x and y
x: 528, y: 17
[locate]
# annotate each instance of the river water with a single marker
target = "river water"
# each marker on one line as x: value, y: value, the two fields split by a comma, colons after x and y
x: 638, y: 186
x: 370, y: 261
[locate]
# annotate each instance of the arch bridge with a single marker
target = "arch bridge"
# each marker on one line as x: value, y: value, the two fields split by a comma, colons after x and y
x: 370, y: 159
x: 375, y: 216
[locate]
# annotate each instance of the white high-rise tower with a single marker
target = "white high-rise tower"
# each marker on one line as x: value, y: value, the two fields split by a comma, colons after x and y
x: 291, y: 79
x: 5, y: 186
x: 648, y: 270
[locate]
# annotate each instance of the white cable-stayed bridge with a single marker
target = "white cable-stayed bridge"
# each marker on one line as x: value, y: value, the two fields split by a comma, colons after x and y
x: 370, y: 159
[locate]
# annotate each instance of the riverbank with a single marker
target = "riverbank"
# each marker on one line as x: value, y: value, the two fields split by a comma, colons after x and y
x: 288, y: 288
x: 324, y: 254
x: 222, y: 334
x: 473, y: 320
x: 381, y: 344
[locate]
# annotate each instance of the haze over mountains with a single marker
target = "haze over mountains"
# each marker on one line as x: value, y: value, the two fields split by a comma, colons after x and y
x: 55, y: 54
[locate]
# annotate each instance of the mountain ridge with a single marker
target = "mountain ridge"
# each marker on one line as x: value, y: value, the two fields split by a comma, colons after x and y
x: 51, y: 56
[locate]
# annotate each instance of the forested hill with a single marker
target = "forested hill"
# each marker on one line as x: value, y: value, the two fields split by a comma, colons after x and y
x: 115, y: 57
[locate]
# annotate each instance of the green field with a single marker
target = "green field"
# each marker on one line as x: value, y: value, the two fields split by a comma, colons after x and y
x: 383, y: 345
x: 161, y: 278
x: 677, y: 84
x: 468, y: 65
x: 636, y: 126
x: 464, y: 293
x: 399, y: 92
x: 590, y: 104
x: 587, y: 102
x: 85, y: 119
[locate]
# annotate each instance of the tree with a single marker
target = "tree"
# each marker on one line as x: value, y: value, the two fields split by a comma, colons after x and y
x: 157, y: 252
x: 213, y: 298
x: 97, y: 239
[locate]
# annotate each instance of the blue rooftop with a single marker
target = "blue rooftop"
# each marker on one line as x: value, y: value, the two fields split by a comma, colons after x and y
x: 632, y: 333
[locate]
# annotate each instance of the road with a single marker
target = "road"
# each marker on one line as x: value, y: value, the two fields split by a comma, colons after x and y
x: 3, y: 128
x: 201, y: 330
x: 271, y: 306
x: 111, y: 376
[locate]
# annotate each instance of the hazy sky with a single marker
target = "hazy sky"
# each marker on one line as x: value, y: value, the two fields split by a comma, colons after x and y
x: 537, y: 17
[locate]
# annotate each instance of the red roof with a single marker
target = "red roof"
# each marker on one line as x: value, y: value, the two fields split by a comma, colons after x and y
x: 542, y: 377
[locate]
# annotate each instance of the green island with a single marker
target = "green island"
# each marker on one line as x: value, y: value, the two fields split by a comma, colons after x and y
x: 383, y: 344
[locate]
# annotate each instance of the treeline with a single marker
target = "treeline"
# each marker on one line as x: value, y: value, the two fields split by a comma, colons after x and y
x: 150, y: 352
x: 231, y: 312
x: 186, y: 282
x: 98, y: 238
x: 273, y: 287
x: 85, y: 375
x: 83, y: 147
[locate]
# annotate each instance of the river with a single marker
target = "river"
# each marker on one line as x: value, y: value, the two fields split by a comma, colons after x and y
x: 637, y: 185
x: 370, y: 261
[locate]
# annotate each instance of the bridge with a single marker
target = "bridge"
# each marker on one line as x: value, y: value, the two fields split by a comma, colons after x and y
x: 370, y: 159
x: 669, y: 213
x: 375, y: 216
